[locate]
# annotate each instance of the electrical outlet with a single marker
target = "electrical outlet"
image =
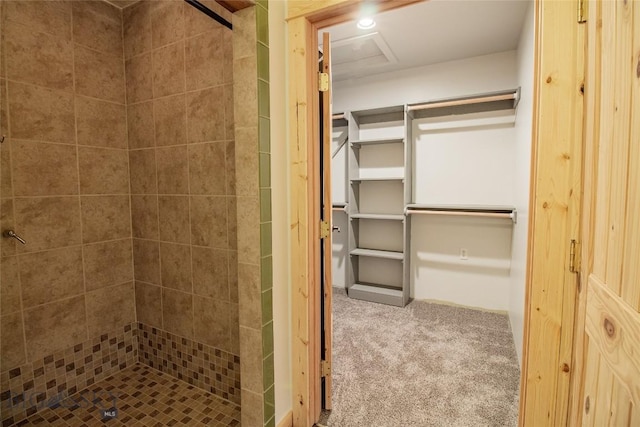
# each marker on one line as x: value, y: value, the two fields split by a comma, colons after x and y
x: 464, y: 254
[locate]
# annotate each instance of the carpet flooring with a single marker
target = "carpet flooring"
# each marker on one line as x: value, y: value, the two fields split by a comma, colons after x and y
x: 422, y: 365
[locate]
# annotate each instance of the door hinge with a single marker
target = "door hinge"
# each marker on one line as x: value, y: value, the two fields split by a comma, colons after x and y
x: 323, y: 82
x: 325, y: 229
x: 582, y: 11
x: 325, y: 368
x: 574, y: 256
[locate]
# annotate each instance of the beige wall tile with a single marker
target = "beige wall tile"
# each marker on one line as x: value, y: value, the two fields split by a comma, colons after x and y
x: 207, y: 166
x: 205, y: 115
x: 249, y: 292
x: 167, y: 22
x: 105, y: 218
x: 47, y: 223
x: 12, y: 350
x: 251, y: 366
x: 51, y: 17
x: 246, y: 151
x: 146, y: 261
x: 98, y: 25
x: 107, y: 264
x: 100, y: 123
x: 41, y: 169
x: 139, y: 71
x: 244, y: 33
x: 99, y: 75
x: 4, y: 106
x: 209, y: 221
x: 140, y: 125
x: 144, y: 216
x: 109, y: 309
x: 168, y: 70
x: 173, y: 172
x: 177, y: 312
x: 7, y: 222
x: 233, y: 276
x: 170, y: 120
x: 249, y: 230
x: 205, y: 60
x: 175, y: 266
x: 232, y: 226
x: 230, y: 162
x: 228, y: 57
x: 174, y: 218
x: 234, y: 329
x: 51, y: 275
x: 103, y: 170
x: 42, y: 114
x: 10, y: 285
x: 252, y: 408
x: 245, y: 91
x: 37, y: 58
x: 149, y: 304
x: 137, y: 29
x: 54, y: 326
x: 211, y: 322
x: 142, y: 170
x: 229, y: 122
x: 211, y: 272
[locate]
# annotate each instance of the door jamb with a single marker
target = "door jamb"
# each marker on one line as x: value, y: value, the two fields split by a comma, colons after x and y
x: 304, y: 19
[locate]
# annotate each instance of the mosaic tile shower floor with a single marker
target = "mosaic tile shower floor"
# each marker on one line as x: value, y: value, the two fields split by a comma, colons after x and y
x: 143, y: 396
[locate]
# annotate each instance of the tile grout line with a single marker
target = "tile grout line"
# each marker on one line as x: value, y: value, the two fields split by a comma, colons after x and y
x: 75, y: 128
x: 126, y: 127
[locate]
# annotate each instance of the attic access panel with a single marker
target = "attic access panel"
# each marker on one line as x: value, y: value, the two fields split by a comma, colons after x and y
x: 360, y: 52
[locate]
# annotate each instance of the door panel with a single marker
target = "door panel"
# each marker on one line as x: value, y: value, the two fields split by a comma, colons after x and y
x: 610, y: 378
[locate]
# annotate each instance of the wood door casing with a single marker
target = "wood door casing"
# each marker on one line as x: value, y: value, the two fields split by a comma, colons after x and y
x: 608, y: 329
x: 327, y: 214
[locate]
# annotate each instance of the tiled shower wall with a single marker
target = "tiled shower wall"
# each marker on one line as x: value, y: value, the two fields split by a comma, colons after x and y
x: 117, y: 131
x: 180, y: 120
x: 65, y: 190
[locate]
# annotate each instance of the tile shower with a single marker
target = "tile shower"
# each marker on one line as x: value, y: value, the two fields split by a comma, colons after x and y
x: 119, y: 171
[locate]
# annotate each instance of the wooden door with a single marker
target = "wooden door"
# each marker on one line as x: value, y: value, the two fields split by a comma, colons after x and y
x: 327, y: 211
x: 608, y: 333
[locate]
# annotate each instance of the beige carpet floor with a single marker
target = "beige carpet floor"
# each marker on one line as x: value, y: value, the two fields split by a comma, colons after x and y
x: 422, y: 365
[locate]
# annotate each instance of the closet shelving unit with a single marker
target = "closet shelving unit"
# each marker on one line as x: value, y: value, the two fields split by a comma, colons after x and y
x: 381, y: 217
x: 400, y: 213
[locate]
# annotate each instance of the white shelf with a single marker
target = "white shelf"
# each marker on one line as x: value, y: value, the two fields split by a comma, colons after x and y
x: 378, y: 141
x: 378, y: 254
x: 382, y: 178
x: 392, y: 217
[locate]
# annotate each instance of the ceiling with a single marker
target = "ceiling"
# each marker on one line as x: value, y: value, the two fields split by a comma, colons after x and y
x: 426, y: 33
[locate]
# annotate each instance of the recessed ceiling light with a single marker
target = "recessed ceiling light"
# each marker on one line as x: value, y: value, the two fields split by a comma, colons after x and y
x: 366, y: 23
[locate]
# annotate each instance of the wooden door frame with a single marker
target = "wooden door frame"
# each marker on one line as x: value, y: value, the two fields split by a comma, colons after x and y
x: 554, y: 207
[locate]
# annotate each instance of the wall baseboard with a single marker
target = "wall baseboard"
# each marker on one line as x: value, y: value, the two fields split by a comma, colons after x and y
x: 287, y: 420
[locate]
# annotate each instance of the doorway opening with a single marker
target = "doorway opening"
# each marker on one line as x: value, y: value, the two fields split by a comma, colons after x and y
x: 430, y: 187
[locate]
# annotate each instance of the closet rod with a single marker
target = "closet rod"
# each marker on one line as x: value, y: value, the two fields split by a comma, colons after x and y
x: 464, y: 101
x: 337, y: 116
x: 509, y: 215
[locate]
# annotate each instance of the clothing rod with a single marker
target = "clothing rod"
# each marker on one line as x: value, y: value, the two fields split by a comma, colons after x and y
x: 210, y: 13
x: 467, y: 101
x: 337, y: 116
x: 462, y: 213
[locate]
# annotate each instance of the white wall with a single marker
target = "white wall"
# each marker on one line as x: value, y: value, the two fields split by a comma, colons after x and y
x: 280, y: 211
x: 449, y: 79
x: 523, y: 172
x: 471, y: 162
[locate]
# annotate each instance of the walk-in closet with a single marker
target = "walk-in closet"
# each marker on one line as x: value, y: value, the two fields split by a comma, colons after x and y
x: 430, y: 174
